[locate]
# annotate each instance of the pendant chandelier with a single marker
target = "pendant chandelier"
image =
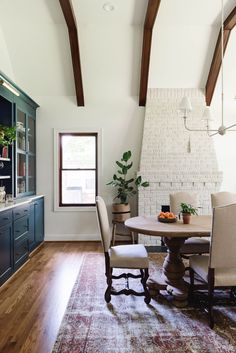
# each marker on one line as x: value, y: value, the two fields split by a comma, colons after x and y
x: 186, y: 107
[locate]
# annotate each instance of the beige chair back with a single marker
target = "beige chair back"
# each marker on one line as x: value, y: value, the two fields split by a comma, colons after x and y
x: 223, y: 239
x: 103, y: 223
x: 222, y: 198
x: 179, y: 197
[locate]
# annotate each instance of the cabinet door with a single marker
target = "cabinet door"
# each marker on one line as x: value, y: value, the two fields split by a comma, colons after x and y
x: 32, y: 243
x: 21, y: 252
x: 6, y: 254
x: 25, y: 152
x: 39, y: 220
x: 31, y: 142
x: 21, y: 155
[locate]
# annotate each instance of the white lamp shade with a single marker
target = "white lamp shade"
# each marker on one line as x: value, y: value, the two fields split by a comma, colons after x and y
x: 207, y: 114
x: 185, y: 105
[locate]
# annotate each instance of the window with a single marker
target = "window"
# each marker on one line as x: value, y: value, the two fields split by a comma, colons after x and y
x: 78, y: 176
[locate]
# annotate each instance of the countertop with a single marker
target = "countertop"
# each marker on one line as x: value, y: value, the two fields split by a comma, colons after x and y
x: 17, y: 202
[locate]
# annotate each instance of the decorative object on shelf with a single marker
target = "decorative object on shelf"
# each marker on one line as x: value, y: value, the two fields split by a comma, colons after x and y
x: 5, y: 152
x: 2, y: 194
x: 187, y: 210
x: 186, y: 106
x: 125, y: 187
x: 7, y: 135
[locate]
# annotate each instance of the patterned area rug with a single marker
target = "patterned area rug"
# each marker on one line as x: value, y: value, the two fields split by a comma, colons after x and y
x: 128, y: 325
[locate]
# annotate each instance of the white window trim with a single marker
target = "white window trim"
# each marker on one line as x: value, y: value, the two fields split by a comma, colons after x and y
x: 56, y: 167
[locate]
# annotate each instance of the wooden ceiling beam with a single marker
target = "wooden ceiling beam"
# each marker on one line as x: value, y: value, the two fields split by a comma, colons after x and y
x: 69, y: 16
x: 230, y: 21
x: 152, y: 9
x: 229, y: 24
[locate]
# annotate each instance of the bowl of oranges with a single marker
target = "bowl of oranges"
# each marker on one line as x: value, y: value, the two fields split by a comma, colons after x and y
x: 167, y: 217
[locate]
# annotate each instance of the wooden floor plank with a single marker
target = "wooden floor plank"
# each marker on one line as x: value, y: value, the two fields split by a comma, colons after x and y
x: 33, y: 302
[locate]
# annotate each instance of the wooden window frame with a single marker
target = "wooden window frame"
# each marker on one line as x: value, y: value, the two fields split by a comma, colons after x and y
x: 60, y: 169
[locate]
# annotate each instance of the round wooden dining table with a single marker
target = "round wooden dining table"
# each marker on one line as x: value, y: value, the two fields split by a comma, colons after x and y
x: 174, y: 234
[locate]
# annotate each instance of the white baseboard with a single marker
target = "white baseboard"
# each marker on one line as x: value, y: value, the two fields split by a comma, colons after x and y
x: 72, y: 237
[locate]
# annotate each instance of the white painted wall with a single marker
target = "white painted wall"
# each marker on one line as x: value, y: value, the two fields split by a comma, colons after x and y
x: 226, y: 145
x: 182, y: 50
x: 5, y: 62
x: 121, y: 123
x: 35, y: 54
x: 111, y: 104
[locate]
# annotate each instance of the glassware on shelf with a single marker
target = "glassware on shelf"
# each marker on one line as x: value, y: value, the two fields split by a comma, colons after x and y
x: 2, y: 194
x: 21, y: 186
x: 9, y: 198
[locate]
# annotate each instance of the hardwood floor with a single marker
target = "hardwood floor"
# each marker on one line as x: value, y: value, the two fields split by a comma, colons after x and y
x: 33, y: 302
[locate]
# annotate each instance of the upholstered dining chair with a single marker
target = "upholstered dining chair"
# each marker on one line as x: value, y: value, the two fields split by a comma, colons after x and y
x: 222, y: 198
x: 194, y: 245
x: 218, y: 269
x: 131, y: 256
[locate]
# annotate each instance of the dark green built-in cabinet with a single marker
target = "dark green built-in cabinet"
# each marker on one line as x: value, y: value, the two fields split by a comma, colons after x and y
x: 19, y: 172
x: 36, y: 223
x: 22, y: 224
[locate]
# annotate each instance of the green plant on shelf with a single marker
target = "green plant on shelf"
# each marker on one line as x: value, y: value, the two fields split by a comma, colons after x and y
x: 7, y: 135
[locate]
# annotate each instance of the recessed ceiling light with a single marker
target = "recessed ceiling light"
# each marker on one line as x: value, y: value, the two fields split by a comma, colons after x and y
x: 108, y: 7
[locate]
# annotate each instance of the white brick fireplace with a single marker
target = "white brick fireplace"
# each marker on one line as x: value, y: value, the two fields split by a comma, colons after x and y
x: 173, y: 159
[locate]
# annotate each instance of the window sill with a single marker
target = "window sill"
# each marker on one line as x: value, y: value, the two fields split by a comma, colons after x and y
x: 75, y: 209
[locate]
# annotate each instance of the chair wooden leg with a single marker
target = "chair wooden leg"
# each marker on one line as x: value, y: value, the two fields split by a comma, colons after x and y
x: 109, y: 286
x: 147, y: 298
x: 113, y: 234
x: 233, y: 293
x: 210, y: 296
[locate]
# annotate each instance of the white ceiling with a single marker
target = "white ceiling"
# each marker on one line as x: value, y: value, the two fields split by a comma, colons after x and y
x: 192, y: 12
x: 30, y: 11
x: 175, y: 12
x: 36, y: 38
x: 130, y: 12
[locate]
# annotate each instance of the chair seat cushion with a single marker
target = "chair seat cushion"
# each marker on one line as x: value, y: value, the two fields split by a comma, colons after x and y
x: 223, y: 276
x: 195, y: 245
x: 128, y: 256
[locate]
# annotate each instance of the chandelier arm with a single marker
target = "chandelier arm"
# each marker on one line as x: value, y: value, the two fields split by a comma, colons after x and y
x: 210, y: 135
x: 222, y: 63
x: 197, y: 130
x: 229, y: 127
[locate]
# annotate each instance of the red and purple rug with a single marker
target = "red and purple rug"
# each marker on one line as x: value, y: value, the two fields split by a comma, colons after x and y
x: 128, y: 325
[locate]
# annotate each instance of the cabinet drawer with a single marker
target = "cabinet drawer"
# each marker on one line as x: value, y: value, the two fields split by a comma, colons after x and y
x: 21, y: 227
x: 21, y: 252
x: 20, y: 211
x: 5, y: 218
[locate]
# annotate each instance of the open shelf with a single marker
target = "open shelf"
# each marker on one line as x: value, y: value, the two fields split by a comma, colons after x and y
x: 5, y: 159
x: 5, y: 177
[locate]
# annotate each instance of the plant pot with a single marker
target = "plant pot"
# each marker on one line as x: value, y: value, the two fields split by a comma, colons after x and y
x: 120, y: 211
x: 186, y: 218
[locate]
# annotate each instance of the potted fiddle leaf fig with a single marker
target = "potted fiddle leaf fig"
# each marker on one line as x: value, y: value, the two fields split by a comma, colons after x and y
x: 126, y: 187
x: 187, y: 210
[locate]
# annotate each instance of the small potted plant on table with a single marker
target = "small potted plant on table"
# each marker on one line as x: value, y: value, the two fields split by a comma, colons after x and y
x: 126, y: 187
x: 187, y: 210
